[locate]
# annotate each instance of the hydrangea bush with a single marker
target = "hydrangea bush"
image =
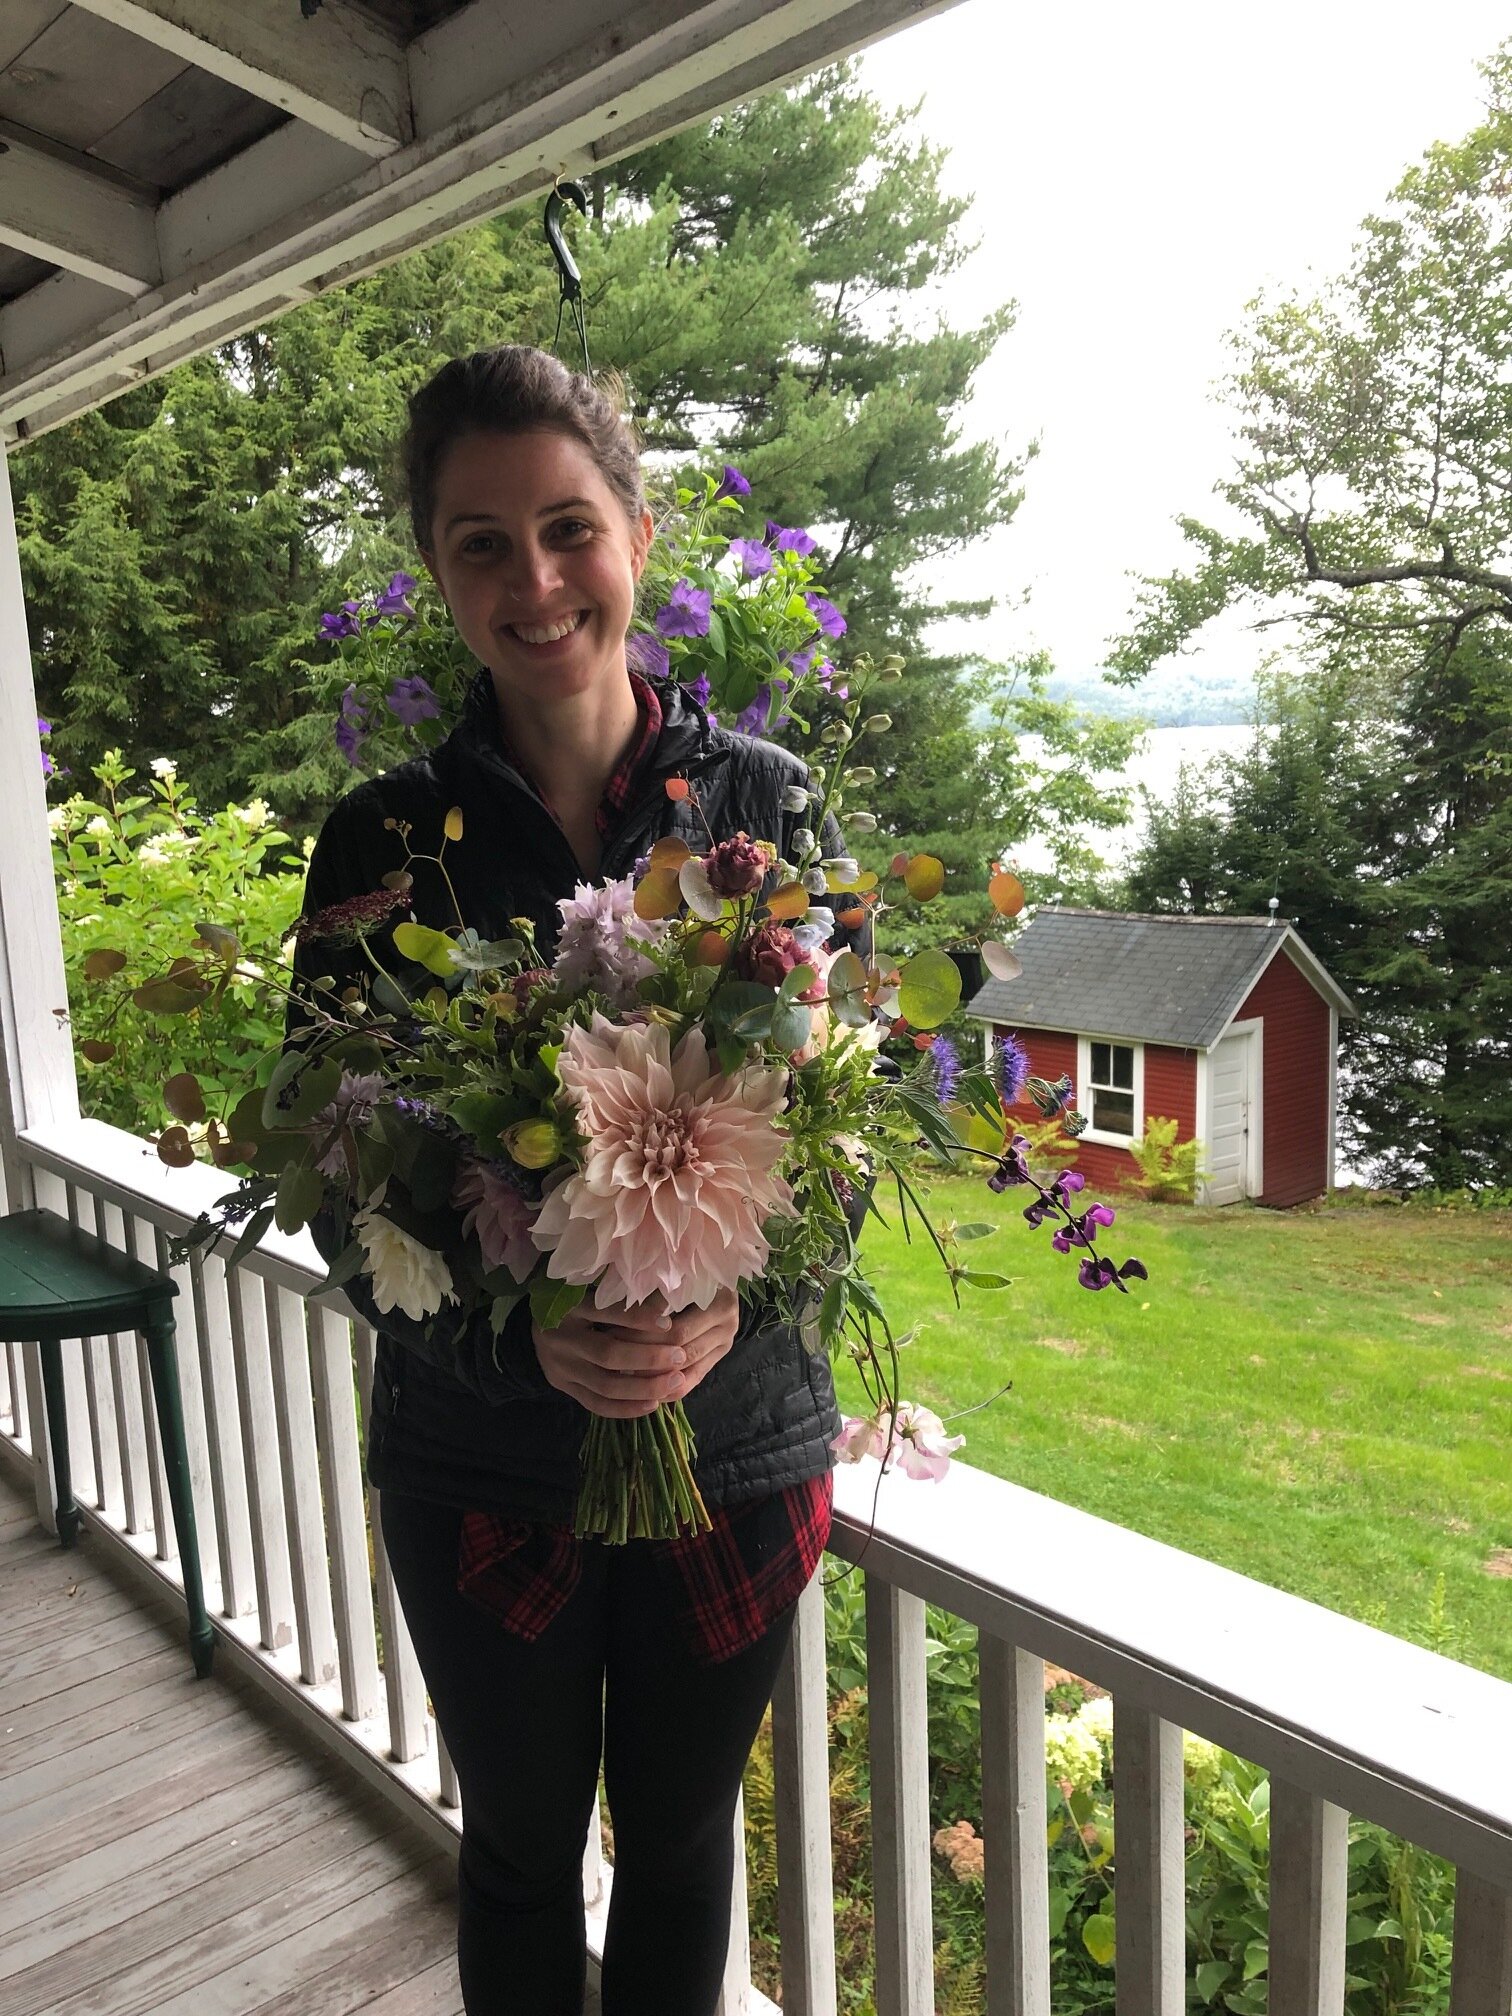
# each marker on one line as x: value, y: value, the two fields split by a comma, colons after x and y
x: 138, y: 867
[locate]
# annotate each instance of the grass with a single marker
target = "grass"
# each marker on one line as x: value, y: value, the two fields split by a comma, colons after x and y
x: 1319, y: 1399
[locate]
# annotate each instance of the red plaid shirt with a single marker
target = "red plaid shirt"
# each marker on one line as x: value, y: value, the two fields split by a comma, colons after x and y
x: 731, y: 1584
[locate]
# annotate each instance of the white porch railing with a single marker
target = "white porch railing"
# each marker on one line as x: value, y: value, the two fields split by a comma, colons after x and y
x: 1346, y: 1719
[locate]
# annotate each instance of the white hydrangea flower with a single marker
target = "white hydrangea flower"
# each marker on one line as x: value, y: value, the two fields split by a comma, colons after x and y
x: 254, y: 816
x: 1073, y: 1754
x: 405, y: 1274
x: 164, y: 767
x: 101, y: 825
x: 1096, y: 1717
x: 151, y: 855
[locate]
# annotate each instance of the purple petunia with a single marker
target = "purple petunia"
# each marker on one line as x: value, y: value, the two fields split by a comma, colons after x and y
x: 789, y: 539
x: 732, y: 484
x: 753, y: 720
x: 826, y: 615
x: 338, y: 623
x: 647, y: 655
x: 698, y: 689
x: 394, y: 601
x: 412, y: 701
x: 755, y: 559
x: 686, y: 612
x: 43, y: 727
x: 351, y: 724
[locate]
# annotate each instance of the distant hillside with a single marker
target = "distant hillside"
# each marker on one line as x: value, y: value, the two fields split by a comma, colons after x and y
x: 1174, y: 696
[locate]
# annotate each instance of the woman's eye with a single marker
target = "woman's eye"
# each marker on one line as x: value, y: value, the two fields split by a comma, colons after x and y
x: 571, y: 528
x: 478, y: 542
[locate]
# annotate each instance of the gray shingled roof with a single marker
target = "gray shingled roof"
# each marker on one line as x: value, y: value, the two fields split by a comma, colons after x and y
x: 1171, y: 980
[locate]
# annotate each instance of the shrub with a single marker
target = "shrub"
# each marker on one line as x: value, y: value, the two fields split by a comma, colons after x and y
x: 1169, y: 1169
x: 136, y: 872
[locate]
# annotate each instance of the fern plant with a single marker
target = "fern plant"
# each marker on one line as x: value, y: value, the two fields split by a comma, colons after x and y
x: 1169, y: 1170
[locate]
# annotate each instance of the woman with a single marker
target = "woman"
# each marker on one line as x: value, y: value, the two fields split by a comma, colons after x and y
x: 528, y: 508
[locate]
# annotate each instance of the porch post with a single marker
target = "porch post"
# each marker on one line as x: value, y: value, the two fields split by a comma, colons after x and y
x: 37, y: 1081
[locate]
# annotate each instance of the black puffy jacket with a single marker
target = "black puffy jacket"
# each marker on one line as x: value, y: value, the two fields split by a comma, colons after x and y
x: 455, y: 1417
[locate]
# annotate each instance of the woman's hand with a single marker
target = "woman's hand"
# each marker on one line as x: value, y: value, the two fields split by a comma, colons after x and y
x: 626, y: 1362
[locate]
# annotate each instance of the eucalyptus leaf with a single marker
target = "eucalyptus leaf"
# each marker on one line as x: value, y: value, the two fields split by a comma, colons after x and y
x: 301, y: 1192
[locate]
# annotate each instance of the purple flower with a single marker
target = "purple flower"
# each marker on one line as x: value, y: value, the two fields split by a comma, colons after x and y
x: 685, y: 613
x: 946, y: 1060
x: 413, y: 701
x: 753, y: 720
x: 801, y: 661
x: 754, y: 558
x: 43, y: 727
x: 826, y: 615
x: 698, y: 689
x: 1133, y: 1270
x: 394, y: 601
x: 351, y: 724
x: 789, y: 539
x: 1013, y: 1068
x: 647, y: 655
x: 1100, y: 1214
x: 49, y: 768
x: 336, y: 624
x: 732, y: 484
x: 1036, y: 1213
x: 1096, y: 1273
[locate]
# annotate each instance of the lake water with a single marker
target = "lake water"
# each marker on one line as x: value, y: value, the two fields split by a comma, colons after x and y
x: 1154, y: 765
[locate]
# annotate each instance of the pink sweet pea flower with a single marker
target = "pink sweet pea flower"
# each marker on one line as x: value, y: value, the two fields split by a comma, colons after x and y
x: 916, y: 1442
x: 859, y: 1436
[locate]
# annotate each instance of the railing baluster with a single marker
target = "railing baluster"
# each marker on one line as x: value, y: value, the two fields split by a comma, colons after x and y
x: 593, y: 1861
x: 901, y: 1879
x: 1014, y: 1820
x: 260, y: 1460
x: 450, y: 1796
x: 294, y: 1412
x: 735, y: 1989
x: 1482, y: 1978
x: 186, y: 1311
x: 142, y: 1245
x: 1309, y: 1892
x: 800, y: 1764
x: 1150, y: 1964
x: 346, y: 1509
x: 126, y: 1389
x: 9, y: 1404
x: 105, y: 1455
x: 409, y: 1724
x: 228, y: 1483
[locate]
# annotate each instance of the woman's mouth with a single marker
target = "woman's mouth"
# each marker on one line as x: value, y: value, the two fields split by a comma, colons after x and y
x: 547, y: 633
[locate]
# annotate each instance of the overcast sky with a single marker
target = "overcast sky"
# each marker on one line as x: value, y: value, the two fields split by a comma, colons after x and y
x: 1139, y: 174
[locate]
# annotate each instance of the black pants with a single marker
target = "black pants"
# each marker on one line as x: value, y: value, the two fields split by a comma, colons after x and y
x: 524, y: 1724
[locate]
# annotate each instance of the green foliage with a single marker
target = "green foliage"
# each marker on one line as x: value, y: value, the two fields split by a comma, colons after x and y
x: 1168, y: 1169
x: 137, y: 873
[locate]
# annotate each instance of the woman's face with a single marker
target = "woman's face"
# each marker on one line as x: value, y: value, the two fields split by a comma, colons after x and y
x: 537, y: 562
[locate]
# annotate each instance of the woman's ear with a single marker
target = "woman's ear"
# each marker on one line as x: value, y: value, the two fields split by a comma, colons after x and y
x: 640, y: 543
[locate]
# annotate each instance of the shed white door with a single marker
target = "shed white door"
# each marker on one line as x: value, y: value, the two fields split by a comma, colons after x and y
x: 1228, y: 1156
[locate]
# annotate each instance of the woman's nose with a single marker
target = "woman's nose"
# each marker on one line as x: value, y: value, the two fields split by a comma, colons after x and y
x: 534, y: 575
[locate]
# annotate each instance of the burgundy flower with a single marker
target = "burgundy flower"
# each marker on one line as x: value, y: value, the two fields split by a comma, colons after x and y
x: 347, y: 923
x: 769, y: 955
x: 736, y: 867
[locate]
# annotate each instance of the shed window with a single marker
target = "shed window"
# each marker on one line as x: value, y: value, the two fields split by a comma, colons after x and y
x: 1110, y: 1088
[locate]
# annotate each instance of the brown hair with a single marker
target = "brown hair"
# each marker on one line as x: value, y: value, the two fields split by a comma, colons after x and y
x: 513, y: 389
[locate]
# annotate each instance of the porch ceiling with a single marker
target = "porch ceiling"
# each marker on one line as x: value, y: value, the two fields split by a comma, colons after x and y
x: 176, y: 171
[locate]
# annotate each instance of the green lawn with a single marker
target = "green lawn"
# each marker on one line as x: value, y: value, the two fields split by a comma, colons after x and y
x: 1322, y: 1400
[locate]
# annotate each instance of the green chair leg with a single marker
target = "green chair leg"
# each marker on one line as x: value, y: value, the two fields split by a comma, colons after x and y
x: 65, y: 1511
x: 163, y: 1358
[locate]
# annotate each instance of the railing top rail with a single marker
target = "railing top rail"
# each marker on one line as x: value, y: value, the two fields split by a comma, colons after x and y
x: 1421, y: 1743
x: 1418, y: 1742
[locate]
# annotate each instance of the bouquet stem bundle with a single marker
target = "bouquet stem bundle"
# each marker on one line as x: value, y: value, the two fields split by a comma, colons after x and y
x: 638, y: 1479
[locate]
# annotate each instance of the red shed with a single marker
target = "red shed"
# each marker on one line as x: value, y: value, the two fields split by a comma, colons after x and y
x: 1229, y: 1025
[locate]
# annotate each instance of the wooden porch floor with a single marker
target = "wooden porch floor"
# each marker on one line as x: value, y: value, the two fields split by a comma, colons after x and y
x: 166, y: 1845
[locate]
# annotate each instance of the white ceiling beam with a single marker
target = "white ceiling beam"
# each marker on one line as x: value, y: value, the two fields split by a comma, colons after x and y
x: 339, y: 71
x: 77, y: 219
x: 284, y: 216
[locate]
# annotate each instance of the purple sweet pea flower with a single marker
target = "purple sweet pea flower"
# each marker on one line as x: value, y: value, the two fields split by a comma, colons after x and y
x: 826, y: 615
x: 685, y: 613
x: 395, y: 599
x: 1096, y: 1273
x: 413, y: 701
x: 647, y: 655
x: 732, y: 484
x: 1100, y: 1214
x: 755, y: 559
x: 789, y: 539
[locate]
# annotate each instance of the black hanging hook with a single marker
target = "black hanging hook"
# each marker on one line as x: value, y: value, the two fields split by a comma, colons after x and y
x: 571, y: 281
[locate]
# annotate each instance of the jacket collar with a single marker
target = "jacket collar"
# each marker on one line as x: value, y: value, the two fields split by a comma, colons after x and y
x: 688, y: 739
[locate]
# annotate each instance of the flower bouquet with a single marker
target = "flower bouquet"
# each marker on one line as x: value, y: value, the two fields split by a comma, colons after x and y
x: 689, y: 1098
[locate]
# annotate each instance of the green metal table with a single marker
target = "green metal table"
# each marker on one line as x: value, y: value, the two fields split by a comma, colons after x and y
x: 56, y: 1282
